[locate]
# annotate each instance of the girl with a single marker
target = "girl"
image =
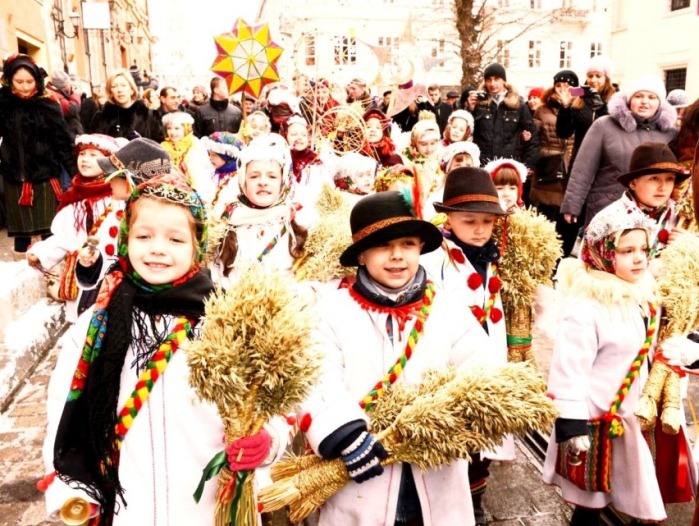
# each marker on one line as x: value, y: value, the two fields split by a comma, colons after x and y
x: 224, y: 151
x: 459, y: 127
x: 188, y: 155
x: 354, y: 175
x: 260, y: 223
x: 460, y: 154
x: 85, y: 211
x: 508, y: 176
x: 254, y: 125
x: 467, y: 264
x: 363, y: 330
x: 606, y: 339
x: 148, y: 307
x: 379, y: 145
x: 423, y: 154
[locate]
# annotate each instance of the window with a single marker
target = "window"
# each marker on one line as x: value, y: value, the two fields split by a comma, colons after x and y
x: 438, y: 53
x: 535, y: 4
x: 503, y: 54
x: 675, y: 78
x: 678, y: 4
x: 565, y: 54
x: 310, y: 41
x: 345, y: 50
x: 535, y: 53
x: 503, y: 3
x: 595, y: 49
x: 390, y: 42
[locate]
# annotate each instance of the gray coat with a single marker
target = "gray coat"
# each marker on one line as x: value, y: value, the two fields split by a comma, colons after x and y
x: 606, y: 151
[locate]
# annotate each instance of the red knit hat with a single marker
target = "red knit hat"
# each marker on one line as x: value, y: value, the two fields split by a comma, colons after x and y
x: 538, y: 91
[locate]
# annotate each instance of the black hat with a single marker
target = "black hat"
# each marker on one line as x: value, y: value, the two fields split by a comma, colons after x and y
x: 652, y: 158
x: 470, y: 189
x: 566, y: 75
x: 452, y: 94
x: 495, y: 70
x: 143, y: 158
x: 14, y: 62
x: 382, y: 217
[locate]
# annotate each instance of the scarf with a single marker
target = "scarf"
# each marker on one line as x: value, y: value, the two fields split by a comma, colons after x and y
x: 382, y: 149
x: 376, y: 293
x: 84, y: 192
x: 178, y: 150
x: 301, y: 159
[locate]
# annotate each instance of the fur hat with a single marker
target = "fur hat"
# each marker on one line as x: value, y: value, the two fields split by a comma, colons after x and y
x: 424, y: 130
x: 382, y: 217
x: 178, y: 117
x: 652, y: 158
x: 567, y: 75
x: 141, y: 159
x: 651, y: 83
x: 494, y: 70
x: 103, y: 143
x: 601, y: 65
x: 678, y: 98
x: 462, y: 114
x: 470, y: 190
x: 267, y: 147
x: 455, y: 148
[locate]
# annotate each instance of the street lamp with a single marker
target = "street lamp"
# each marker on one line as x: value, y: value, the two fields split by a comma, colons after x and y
x: 59, y: 22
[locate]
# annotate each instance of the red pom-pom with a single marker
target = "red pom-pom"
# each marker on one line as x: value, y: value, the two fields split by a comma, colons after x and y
x: 457, y: 255
x: 474, y: 281
x: 291, y: 420
x: 478, y: 312
x: 109, y: 249
x: 305, y: 422
x: 260, y: 507
x: 113, y: 231
x: 551, y: 396
x: 663, y: 236
x: 494, y: 284
x: 495, y: 315
x: 119, y: 214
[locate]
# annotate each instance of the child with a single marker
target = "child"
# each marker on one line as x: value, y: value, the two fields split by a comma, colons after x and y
x: 379, y: 145
x: 601, y: 357
x: 188, y: 155
x: 260, y: 223
x: 354, y: 175
x: 81, y: 217
x: 224, y: 151
x: 467, y: 264
x: 253, y: 126
x: 460, y: 154
x: 509, y: 177
x: 151, y: 303
x: 459, y: 127
x: 364, y: 329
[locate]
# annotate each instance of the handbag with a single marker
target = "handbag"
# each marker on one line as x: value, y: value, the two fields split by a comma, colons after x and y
x: 551, y: 169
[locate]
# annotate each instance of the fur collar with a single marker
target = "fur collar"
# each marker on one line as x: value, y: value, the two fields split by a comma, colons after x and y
x: 112, y: 111
x: 665, y: 119
x: 512, y: 100
x: 575, y: 279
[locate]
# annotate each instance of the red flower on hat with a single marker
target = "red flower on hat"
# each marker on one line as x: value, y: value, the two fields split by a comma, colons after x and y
x: 495, y: 315
x: 457, y: 255
x: 474, y: 281
x: 663, y: 236
x: 494, y: 284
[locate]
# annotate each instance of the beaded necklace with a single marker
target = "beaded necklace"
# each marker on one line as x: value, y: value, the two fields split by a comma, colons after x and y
x: 392, y: 375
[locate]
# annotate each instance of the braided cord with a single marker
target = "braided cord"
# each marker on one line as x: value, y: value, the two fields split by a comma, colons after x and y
x: 271, y: 244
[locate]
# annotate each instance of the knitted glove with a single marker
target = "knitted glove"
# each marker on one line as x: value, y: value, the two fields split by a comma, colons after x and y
x: 247, y: 453
x: 680, y: 351
x: 579, y: 444
x: 363, y: 457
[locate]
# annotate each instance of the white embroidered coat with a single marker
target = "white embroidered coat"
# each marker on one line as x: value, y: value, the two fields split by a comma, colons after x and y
x: 599, y: 335
x: 358, y: 352
x: 171, y: 440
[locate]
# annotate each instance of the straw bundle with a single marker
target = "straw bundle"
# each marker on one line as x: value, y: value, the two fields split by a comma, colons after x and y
x: 327, y: 240
x: 452, y: 414
x: 253, y: 361
x: 530, y: 249
x: 679, y: 297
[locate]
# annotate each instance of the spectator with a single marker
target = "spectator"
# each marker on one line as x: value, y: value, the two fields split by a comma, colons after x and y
x: 357, y: 91
x: 534, y: 98
x: 217, y: 114
x: 35, y: 145
x: 679, y: 100
x: 452, y: 99
x: 90, y: 106
x: 441, y: 109
x: 199, y: 98
x: 302, y: 84
x: 385, y: 101
x: 69, y: 99
x: 151, y: 99
x: 640, y: 114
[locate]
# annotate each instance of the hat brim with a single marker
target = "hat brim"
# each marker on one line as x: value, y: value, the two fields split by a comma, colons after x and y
x: 427, y: 232
x: 106, y: 165
x: 625, y: 179
x: 481, y: 207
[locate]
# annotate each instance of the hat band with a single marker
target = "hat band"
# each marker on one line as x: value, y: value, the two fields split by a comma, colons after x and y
x: 368, y: 230
x: 470, y: 198
x: 116, y: 162
x: 663, y: 166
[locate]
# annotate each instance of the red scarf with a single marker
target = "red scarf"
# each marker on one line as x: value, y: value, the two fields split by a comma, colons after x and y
x: 301, y: 159
x: 384, y: 147
x: 88, y: 189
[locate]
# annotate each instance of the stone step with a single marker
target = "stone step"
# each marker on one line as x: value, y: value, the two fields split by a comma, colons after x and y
x: 21, y: 287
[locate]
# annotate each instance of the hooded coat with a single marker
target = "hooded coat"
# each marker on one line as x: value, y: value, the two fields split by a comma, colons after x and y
x: 606, y: 151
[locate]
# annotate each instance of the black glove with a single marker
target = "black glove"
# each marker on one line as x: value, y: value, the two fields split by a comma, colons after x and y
x: 363, y: 457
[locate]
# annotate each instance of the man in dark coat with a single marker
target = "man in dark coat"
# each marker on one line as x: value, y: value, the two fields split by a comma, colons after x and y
x: 217, y: 114
x: 441, y: 109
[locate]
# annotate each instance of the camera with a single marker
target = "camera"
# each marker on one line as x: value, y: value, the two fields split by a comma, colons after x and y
x: 481, y: 95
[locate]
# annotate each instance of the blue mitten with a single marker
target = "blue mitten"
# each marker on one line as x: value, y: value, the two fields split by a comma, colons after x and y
x: 363, y: 457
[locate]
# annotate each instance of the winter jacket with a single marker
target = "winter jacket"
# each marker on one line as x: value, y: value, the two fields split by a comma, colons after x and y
x: 35, y: 139
x: 116, y: 121
x: 70, y: 107
x: 575, y: 120
x: 606, y: 152
x: 498, y: 127
x: 442, y: 111
x: 217, y: 115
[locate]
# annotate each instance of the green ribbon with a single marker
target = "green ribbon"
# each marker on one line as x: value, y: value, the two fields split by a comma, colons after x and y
x: 514, y: 340
x: 212, y: 469
x: 240, y: 477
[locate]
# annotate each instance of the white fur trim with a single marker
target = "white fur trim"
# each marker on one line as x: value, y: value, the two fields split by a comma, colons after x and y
x: 455, y: 148
x: 462, y: 114
x: 495, y: 164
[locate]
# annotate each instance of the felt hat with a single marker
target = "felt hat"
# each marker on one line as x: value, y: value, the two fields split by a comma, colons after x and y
x: 142, y: 158
x: 495, y: 70
x: 470, y: 189
x: 652, y: 158
x: 451, y: 94
x: 382, y: 217
x: 567, y: 75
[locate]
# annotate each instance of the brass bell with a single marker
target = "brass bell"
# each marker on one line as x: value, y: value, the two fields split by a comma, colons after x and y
x: 75, y: 512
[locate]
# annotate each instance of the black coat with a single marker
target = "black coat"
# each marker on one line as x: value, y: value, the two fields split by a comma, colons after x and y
x: 217, y: 115
x: 442, y: 111
x: 35, y: 139
x: 116, y: 121
x: 577, y: 120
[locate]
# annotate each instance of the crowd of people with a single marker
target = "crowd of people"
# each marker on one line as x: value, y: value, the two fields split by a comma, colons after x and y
x: 148, y: 203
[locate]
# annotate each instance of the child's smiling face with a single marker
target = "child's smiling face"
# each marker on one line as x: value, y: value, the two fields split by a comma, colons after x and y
x: 263, y: 182
x: 393, y: 263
